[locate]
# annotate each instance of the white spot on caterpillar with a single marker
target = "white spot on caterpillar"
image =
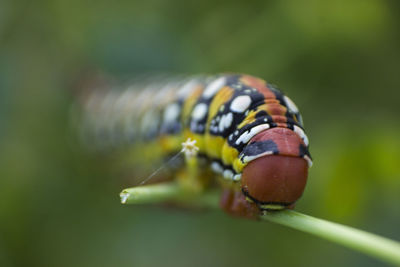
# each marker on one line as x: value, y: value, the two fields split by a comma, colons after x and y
x: 225, y: 122
x: 247, y: 135
x: 309, y: 161
x: 237, y: 177
x: 247, y: 159
x: 214, y: 87
x: 240, y: 103
x: 199, y: 111
x: 187, y: 88
x: 216, y: 167
x: 291, y: 105
x: 149, y: 122
x: 301, y: 133
x: 171, y: 113
x: 214, y: 129
x: 228, y: 174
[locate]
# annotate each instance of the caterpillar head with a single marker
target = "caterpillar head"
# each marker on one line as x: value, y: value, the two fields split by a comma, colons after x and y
x: 277, y: 169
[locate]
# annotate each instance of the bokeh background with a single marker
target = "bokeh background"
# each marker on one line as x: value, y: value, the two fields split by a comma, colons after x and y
x: 339, y: 61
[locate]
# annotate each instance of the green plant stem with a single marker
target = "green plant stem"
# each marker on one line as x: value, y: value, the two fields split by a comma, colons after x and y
x: 162, y: 192
x: 151, y: 193
x: 371, y: 244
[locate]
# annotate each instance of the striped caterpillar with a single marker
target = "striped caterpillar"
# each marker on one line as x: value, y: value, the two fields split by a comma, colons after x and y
x: 248, y: 133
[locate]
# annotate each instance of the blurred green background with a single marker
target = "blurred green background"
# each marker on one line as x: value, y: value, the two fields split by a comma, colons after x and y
x: 338, y: 60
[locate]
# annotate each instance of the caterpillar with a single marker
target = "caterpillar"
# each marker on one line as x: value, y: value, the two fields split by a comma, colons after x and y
x: 249, y: 134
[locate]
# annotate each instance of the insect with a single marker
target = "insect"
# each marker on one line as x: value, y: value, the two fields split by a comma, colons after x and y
x: 249, y: 134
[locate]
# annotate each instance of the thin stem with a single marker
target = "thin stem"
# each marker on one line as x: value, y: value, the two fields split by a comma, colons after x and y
x: 368, y: 243
x: 151, y: 193
x: 371, y: 244
x: 162, y: 192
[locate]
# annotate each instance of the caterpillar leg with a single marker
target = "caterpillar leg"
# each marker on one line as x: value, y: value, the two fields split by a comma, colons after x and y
x: 234, y: 202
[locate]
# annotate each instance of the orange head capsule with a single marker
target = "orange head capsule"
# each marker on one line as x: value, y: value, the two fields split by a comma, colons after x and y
x: 276, y: 173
